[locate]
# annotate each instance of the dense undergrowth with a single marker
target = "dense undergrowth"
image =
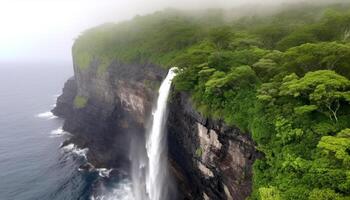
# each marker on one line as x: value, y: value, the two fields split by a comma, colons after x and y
x: 284, y: 78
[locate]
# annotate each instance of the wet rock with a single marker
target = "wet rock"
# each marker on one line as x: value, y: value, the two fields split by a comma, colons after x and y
x: 87, y: 167
x: 215, y: 159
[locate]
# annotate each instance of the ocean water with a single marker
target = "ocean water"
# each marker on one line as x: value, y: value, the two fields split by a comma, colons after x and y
x: 32, y: 164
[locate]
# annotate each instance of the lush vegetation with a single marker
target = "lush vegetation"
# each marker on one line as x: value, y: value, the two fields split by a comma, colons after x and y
x: 80, y: 102
x: 284, y: 78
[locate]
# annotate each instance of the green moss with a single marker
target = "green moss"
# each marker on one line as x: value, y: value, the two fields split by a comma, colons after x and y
x: 199, y: 152
x: 80, y: 102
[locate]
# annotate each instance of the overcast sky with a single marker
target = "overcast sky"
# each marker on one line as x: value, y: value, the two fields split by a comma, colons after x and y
x: 44, y: 30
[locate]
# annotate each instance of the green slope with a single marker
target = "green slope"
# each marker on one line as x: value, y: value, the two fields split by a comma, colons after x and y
x: 284, y: 78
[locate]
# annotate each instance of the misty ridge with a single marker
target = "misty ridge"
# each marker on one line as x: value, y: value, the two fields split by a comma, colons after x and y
x: 40, y: 32
x: 122, y: 36
x: 233, y: 10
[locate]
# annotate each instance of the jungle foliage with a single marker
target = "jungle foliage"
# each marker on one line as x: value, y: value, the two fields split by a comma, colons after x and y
x: 284, y: 78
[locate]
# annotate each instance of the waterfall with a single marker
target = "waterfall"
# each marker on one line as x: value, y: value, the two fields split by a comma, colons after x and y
x: 157, y: 175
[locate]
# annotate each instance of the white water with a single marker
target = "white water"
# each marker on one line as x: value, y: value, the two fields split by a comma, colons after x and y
x: 156, y: 176
x: 104, y: 172
x: 46, y: 115
x: 121, y: 191
x: 73, y: 149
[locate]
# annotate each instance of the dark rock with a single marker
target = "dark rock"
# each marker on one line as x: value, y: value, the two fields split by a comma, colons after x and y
x: 119, y: 102
x: 214, y: 160
x: 87, y: 167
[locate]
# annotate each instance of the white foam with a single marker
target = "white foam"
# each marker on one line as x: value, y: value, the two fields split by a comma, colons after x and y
x: 46, y: 115
x: 73, y: 149
x: 68, y: 147
x: 122, y: 191
x: 58, y: 133
x: 103, y: 172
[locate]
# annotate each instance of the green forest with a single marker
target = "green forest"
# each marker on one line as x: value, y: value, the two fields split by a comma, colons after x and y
x: 281, y: 77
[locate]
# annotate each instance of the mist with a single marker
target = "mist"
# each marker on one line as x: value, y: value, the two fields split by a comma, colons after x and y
x: 44, y: 30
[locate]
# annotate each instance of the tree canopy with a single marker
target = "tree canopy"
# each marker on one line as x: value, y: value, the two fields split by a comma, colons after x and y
x: 282, y: 77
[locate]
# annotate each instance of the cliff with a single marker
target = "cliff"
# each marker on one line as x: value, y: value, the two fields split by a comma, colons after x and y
x: 114, y: 109
x: 215, y: 159
x: 208, y: 159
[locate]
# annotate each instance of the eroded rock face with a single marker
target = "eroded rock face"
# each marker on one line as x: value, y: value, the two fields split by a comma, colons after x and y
x: 215, y: 159
x: 118, y: 107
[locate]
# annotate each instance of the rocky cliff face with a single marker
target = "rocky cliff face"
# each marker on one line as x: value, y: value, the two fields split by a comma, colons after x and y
x: 118, y: 105
x: 208, y: 159
x: 215, y: 160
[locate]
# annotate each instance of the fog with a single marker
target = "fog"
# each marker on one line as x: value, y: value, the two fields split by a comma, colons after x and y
x: 44, y: 30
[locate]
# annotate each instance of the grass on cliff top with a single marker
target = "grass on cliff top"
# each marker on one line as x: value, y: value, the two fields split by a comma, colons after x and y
x: 156, y: 38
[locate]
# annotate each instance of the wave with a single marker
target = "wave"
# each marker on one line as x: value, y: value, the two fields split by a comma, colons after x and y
x: 121, y: 191
x: 59, y: 132
x: 46, y: 115
x: 104, y: 172
x: 73, y: 149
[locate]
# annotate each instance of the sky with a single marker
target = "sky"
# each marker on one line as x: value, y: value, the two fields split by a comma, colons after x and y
x: 44, y: 30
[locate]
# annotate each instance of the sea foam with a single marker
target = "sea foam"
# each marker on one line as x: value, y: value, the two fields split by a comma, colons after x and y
x: 46, y: 115
x: 58, y: 132
x: 73, y: 149
x: 122, y: 191
x: 104, y: 172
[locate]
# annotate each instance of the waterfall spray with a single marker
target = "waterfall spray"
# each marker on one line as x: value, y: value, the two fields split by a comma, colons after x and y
x: 156, y: 177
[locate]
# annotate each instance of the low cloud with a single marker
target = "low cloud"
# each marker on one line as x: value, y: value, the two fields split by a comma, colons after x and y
x: 45, y: 29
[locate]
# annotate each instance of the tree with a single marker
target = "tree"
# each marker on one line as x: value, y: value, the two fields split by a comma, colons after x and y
x: 240, y: 76
x: 271, y: 34
x: 221, y: 37
x: 312, y: 57
x: 324, y: 88
x: 225, y: 60
x: 266, y: 69
x: 333, y: 25
x: 337, y: 146
x: 325, y: 194
x: 269, y: 193
x: 295, y: 39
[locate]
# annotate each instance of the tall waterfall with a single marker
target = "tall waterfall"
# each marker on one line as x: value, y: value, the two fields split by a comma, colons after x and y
x: 156, y: 175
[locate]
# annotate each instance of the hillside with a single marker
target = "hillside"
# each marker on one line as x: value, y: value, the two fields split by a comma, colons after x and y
x: 282, y: 78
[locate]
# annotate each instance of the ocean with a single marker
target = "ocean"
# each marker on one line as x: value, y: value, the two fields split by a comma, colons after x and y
x: 32, y: 164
